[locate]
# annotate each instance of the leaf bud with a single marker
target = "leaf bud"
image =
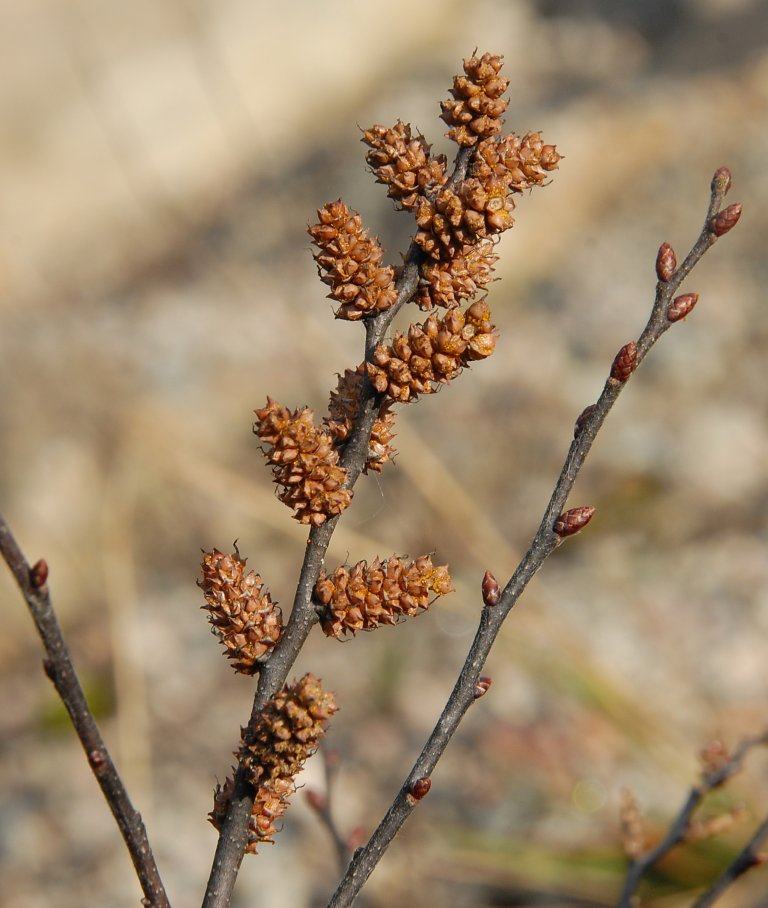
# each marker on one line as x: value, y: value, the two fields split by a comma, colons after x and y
x: 419, y: 788
x: 38, y: 574
x: 726, y: 219
x: 490, y: 589
x: 582, y: 418
x: 625, y: 363
x: 721, y: 180
x: 681, y: 306
x: 481, y: 688
x: 666, y: 262
x: 571, y: 522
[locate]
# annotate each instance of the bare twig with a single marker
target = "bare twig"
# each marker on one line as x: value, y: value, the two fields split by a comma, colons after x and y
x: 544, y: 542
x: 322, y: 805
x: 32, y: 581
x: 745, y: 860
x: 678, y: 830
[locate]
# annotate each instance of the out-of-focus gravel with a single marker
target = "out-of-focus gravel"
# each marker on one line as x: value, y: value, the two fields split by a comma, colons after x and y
x: 160, y: 164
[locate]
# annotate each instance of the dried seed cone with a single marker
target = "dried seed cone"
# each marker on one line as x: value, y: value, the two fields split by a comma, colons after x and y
x: 362, y: 597
x: 457, y: 218
x: 343, y: 409
x: 305, y: 463
x: 521, y: 163
x: 475, y: 113
x: 241, y: 612
x: 403, y: 163
x: 286, y: 733
x: 447, y: 283
x: 349, y: 261
x: 433, y: 353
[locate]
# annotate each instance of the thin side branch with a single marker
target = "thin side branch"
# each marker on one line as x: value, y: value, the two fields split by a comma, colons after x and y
x: 681, y: 824
x: 58, y: 666
x: 542, y: 545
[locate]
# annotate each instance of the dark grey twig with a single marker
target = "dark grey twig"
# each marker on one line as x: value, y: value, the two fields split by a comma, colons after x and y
x: 745, y: 860
x: 544, y: 542
x: 32, y: 581
x: 681, y: 824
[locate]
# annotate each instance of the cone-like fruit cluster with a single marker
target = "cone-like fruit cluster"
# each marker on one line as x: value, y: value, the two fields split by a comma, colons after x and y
x: 364, y: 596
x: 349, y: 261
x: 433, y: 353
x: 305, y: 463
x: 403, y: 163
x: 446, y: 284
x: 482, y: 205
x: 286, y: 733
x: 241, y: 611
x: 477, y: 106
x: 342, y: 413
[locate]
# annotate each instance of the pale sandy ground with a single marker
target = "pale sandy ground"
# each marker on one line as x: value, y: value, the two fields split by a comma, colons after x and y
x: 160, y: 162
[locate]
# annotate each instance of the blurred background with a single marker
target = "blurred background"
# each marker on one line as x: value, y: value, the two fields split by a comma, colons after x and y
x: 160, y: 163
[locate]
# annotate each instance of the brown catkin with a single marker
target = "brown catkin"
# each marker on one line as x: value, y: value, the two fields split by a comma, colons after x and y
x: 286, y: 732
x: 364, y: 596
x: 403, y: 163
x: 343, y: 408
x: 240, y: 610
x: 349, y: 261
x: 477, y: 107
x: 305, y: 463
x: 433, y: 353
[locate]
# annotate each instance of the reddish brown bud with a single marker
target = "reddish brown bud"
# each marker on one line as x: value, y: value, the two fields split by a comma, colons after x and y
x: 583, y: 417
x: 418, y: 789
x: 481, y: 688
x: 490, y: 589
x: 666, y: 262
x: 38, y: 574
x: 625, y: 362
x: 681, y: 306
x: 571, y: 522
x: 97, y: 760
x: 726, y: 219
x: 318, y: 802
x: 721, y: 180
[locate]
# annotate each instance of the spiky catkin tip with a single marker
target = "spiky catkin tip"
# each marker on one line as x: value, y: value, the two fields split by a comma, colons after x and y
x: 402, y: 162
x: 285, y: 734
x: 625, y: 362
x: 349, y: 261
x: 241, y: 612
x: 477, y: 107
x: 305, y: 463
x: 385, y: 592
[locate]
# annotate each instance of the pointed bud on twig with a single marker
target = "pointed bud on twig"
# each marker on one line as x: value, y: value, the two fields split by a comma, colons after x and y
x: 418, y: 789
x: 625, y: 363
x: 681, y: 306
x: 490, y: 589
x: 317, y: 801
x: 481, y: 688
x: 38, y: 574
x: 571, y: 522
x: 666, y: 262
x: 726, y: 219
x: 721, y: 180
x: 582, y: 418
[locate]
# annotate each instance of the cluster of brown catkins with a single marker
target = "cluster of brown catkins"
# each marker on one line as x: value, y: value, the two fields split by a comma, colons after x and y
x: 286, y: 732
x: 241, y: 612
x: 433, y: 353
x: 342, y: 412
x: 364, y: 596
x: 305, y: 463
